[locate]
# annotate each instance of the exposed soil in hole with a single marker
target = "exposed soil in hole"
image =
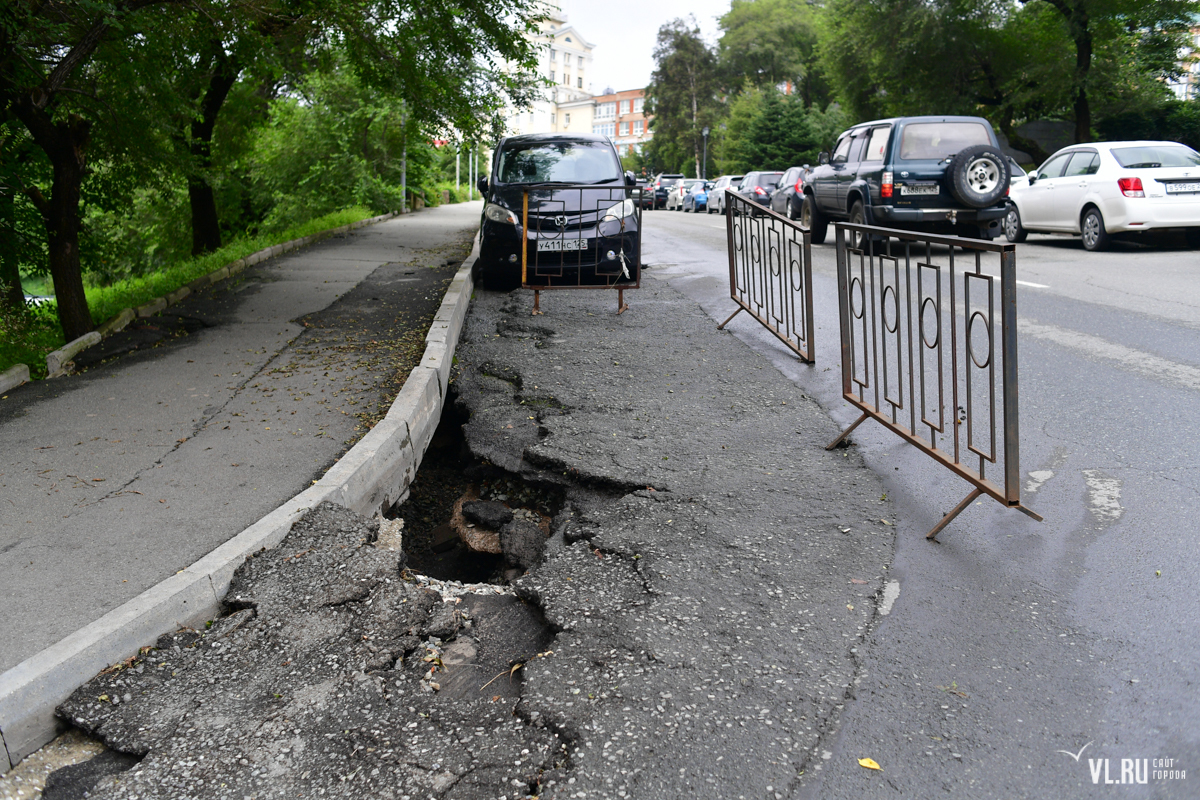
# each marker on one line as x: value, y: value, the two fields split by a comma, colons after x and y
x: 447, y: 475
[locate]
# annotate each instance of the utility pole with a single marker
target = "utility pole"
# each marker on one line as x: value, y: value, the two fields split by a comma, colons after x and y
x: 705, y: 170
x: 457, y: 163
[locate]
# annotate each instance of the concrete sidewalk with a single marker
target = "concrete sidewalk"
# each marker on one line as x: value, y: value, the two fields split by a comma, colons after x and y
x: 116, y: 479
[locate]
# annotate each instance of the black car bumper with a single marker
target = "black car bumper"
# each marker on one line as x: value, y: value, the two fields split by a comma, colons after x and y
x: 589, y: 256
x: 902, y: 217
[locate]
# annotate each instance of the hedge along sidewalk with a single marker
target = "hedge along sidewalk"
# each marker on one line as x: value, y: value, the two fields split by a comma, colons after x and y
x: 58, y: 363
x: 374, y: 475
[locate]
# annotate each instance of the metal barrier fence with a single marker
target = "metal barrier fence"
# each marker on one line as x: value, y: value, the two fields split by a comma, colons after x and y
x: 581, y: 237
x: 770, y: 272
x: 922, y: 316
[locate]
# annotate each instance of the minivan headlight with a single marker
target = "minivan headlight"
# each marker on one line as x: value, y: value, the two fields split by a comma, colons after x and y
x: 497, y: 213
x: 622, y: 209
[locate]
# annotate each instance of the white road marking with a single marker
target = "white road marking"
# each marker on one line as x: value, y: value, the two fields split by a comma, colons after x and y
x: 1105, y: 494
x: 1151, y: 366
x: 1036, y: 479
x: 1034, y: 285
x: 890, y: 592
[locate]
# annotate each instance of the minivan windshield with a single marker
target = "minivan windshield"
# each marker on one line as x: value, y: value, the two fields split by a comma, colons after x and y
x: 938, y: 140
x: 1156, y: 155
x: 558, y: 162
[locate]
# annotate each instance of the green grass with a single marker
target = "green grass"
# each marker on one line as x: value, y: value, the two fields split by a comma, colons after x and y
x: 28, y: 340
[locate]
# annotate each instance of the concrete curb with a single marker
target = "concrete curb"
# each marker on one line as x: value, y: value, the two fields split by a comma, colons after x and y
x: 13, y: 377
x: 159, y: 304
x: 58, y: 361
x: 372, y: 476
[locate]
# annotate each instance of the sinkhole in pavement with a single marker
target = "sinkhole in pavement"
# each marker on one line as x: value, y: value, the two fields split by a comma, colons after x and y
x: 459, y: 508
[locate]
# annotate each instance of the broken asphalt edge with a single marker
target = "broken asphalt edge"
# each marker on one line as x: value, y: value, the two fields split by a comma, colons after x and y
x: 372, y: 476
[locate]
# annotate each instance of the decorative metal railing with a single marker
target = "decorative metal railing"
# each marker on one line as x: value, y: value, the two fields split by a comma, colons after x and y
x: 581, y: 237
x: 928, y: 326
x: 770, y: 272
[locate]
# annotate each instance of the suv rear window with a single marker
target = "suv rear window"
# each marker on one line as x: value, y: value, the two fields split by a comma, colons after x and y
x: 1151, y: 156
x: 559, y: 162
x: 938, y: 140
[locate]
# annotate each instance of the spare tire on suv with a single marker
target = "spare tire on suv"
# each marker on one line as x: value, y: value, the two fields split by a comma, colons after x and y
x: 978, y: 176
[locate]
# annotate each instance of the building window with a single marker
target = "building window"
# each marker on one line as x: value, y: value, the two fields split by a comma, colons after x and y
x: 566, y: 119
x: 637, y: 127
x: 604, y: 128
x: 530, y: 117
x: 606, y: 110
x: 553, y: 54
x: 624, y: 128
x: 624, y: 106
x: 579, y: 82
x: 553, y: 76
x: 638, y: 102
x: 581, y: 62
x: 553, y: 118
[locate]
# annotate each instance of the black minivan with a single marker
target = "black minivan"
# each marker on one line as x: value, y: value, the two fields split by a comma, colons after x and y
x: 934, y: 174
x: 588, y: 233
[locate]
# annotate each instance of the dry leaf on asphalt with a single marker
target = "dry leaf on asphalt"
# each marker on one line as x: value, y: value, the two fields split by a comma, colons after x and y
x: 869, y: 763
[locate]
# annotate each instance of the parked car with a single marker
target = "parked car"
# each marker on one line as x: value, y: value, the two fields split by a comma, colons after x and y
x: 644, y: 196
x: 934, y: 174
x: 1105, y: 188
x: 789, y: 197
x: 662, y: 184
x: 697, y: 197
x: 757, y: 187
x: 556, y: 213
x: 677, y: 192
x: 717, y: 192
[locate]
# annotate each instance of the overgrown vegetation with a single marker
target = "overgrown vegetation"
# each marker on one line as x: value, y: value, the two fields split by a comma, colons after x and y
x: 786, y: 77
x: 135, y: 136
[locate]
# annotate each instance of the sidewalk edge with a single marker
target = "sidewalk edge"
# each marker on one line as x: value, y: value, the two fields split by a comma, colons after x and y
x: 371, y: 476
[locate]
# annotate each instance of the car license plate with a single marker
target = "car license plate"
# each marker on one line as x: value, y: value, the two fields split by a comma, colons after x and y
x: 1182, y: 188
x: 919, y: 188
x: 561, y: 245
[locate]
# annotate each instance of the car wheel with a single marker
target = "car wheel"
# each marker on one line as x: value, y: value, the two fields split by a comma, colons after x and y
x: 858, y: 216
x: 812, y: 218
x: 978, y: 176
x: 1014, y: 231
x: 1095, y: 237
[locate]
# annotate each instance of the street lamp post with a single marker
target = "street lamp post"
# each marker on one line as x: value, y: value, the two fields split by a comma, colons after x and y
x: 705, y: 170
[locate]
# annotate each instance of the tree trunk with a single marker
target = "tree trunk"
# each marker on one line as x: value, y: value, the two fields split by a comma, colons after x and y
x: 64, y: 143
x: 12, y: 295
x: 1079, y: 29
x: 206, y: 228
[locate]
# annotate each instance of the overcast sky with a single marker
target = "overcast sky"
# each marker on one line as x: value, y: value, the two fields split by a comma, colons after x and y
x: 624, y: 34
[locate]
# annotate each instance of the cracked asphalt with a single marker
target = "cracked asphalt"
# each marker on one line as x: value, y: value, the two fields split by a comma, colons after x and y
x: 701, y: 598
x: 192, y: 425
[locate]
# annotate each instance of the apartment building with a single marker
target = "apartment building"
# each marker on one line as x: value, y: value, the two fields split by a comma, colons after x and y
x: 565, y: 106
x: 621, y: 117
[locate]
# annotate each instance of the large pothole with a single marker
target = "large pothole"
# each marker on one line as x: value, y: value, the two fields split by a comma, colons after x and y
x: 467, y: 520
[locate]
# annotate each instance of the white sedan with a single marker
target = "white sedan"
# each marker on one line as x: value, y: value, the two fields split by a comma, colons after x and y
x: 1102, y: 188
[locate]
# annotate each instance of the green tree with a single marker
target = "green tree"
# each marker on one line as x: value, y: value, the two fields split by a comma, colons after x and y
x: 682, y: 95
x: 90, y: 80
x: 772, y: 42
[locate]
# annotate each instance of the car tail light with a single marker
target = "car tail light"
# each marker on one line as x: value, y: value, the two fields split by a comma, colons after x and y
x: 886, y: 187
x: 799, y: 185
x: 1131, y: 187
x: 758, y: 190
